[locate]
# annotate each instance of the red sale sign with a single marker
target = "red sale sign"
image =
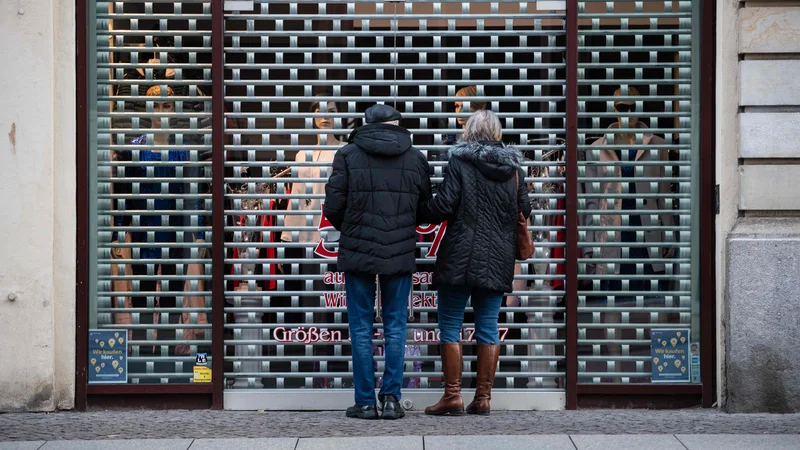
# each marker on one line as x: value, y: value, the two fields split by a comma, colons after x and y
x: 325, y: 225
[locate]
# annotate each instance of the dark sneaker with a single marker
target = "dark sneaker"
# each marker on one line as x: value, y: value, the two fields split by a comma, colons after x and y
x: 392, y: 409
x: 369, y: 412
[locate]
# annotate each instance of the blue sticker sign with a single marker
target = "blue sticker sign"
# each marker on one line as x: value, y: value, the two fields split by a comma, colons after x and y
x: 108, y: 356
x: 669, y: 355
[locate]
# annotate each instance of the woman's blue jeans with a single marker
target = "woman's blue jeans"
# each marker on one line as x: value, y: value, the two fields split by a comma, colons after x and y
x: 395, y: 290
x: 485, y: 303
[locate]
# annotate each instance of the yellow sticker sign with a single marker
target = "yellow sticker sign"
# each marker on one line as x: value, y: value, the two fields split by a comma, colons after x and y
x: 202, y: 374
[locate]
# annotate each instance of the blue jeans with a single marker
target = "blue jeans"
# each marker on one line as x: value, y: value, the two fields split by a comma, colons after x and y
x: 360, y: 312
x: 485, y: 303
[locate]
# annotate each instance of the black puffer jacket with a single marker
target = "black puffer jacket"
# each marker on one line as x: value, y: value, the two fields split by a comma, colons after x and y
x: 480, y: 201
x: 372, y: 196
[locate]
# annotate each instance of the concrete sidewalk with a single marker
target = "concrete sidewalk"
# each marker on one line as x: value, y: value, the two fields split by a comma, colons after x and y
x: 149, y: 424
x: 286, y: 430
x: 550, y: 442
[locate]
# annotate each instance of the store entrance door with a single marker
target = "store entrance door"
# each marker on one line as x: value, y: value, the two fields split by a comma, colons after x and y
x: 298, y: 78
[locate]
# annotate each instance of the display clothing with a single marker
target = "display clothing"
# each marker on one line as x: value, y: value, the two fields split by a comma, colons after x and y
x: 159, y: 204
x: 269, y: 252
x: 311, y: 205
x: 377, y: 183
x: 612, y: 190
x: 629, y: 204
x: 481, y: 200
x: 166, y: 237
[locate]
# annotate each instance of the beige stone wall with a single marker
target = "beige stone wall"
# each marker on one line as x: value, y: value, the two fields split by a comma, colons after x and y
x: 758, y: 163
x: 38, y: 204
x: 727, y: 167
x: 769, y: 105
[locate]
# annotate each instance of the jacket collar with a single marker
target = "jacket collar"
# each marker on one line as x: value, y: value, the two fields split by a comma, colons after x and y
x: 488, y: 151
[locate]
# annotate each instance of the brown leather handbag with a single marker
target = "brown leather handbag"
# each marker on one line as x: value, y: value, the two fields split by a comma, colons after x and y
x: 524, y: 241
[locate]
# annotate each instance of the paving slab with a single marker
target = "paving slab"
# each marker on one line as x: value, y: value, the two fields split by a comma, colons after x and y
x: 22, y: 445
x: 245, y: 444
x: 362, y: 443
x: 626, y: 441
x: 539, y: 442
x: 130, y: 444
x: 739, y: 441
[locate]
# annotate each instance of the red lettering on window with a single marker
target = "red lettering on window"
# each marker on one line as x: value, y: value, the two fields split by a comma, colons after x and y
x: 325, y: 224
x: 320, y: 250
x: 437, y: 240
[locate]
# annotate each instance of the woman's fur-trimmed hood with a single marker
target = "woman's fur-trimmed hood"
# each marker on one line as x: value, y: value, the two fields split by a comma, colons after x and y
x: 494, y: 159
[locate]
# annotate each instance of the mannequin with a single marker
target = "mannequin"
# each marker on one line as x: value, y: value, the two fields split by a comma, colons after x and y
x: 194, y: 270
x: 149, y: 67
x: 637, y: 151
x: 634, y: 150
x: 469, y: 91
x: 300, y: 202
x: 316, y: 188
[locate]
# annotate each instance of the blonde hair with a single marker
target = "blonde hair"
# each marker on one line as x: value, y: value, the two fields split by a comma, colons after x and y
x: 471, y: 91
x: 483, y: 125
x: 155, y: 91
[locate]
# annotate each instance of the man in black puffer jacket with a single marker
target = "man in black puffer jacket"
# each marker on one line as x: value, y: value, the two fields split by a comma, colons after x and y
x: 377, y: 183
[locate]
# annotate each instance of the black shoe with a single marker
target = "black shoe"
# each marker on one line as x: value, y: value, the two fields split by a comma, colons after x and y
x: 392, y: 409
x: 369, y: 412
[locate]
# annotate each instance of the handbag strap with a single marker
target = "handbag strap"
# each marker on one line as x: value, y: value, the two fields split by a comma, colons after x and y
x: 516, y: 191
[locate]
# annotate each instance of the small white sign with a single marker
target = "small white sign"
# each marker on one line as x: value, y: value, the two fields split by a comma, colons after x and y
x: 239, y: 5
x: 551, y: 5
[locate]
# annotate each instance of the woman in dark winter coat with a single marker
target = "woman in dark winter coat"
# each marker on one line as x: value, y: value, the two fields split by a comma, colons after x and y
x: 482, y: 193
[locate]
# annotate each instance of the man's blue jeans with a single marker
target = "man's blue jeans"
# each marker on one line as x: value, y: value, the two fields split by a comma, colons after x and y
x: 485, y: 303
x: 360, y: 312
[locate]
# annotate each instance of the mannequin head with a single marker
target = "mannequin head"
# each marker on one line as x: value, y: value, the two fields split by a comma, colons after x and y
x: 324, y: 123
x: 160, y: 106
x: 626, y: 106
x: 469, y: 91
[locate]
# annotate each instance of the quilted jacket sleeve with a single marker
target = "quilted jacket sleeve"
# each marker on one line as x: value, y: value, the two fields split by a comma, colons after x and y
x: 336, y: 191
x: 445, y: 204
x: 425, y: 192
x: 523, y: 197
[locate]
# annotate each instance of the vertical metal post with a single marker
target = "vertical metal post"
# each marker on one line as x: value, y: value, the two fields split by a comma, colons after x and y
x: 707, y: 216
x: 82, y: 199
x: 218, y: 202
x: 572, y: 206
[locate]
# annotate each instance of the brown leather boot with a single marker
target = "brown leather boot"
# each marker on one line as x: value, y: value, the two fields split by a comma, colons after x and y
x: 451, y: 402
x: 488, y: 354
